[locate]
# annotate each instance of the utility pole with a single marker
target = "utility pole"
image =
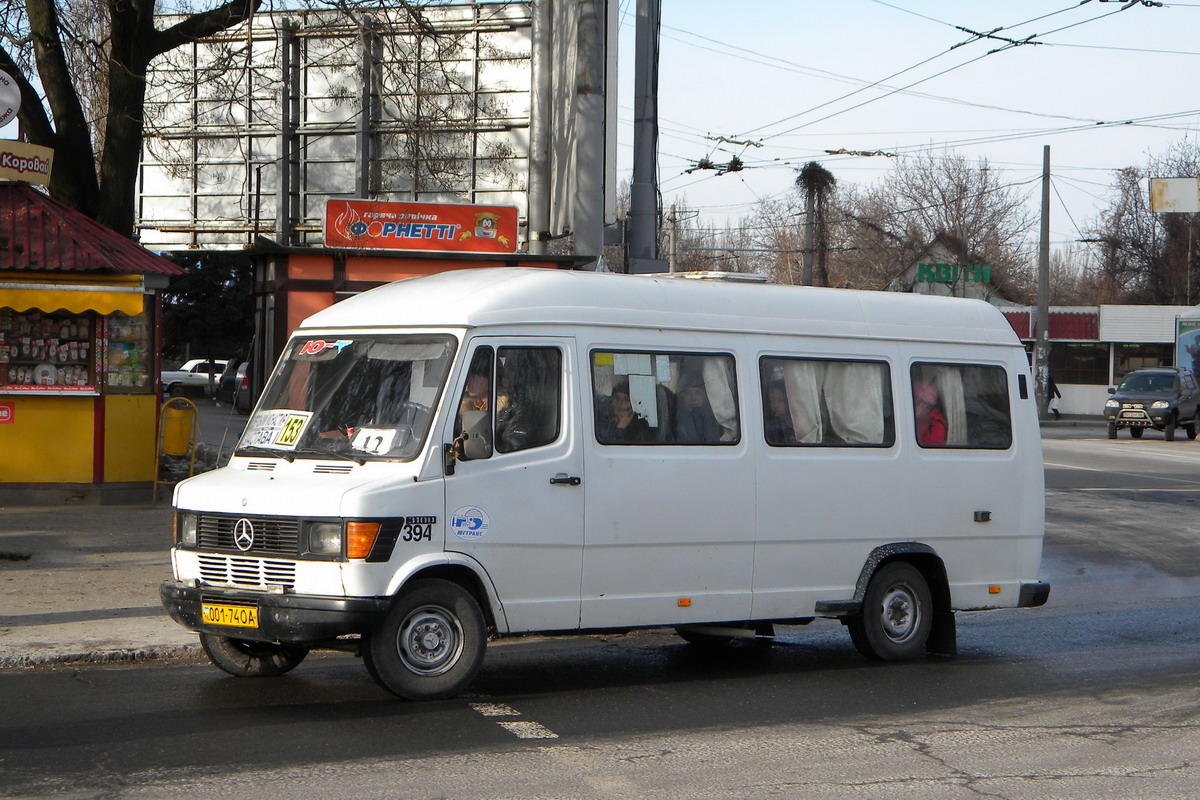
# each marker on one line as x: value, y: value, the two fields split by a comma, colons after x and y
x: 673, y: 255
x: 810, y: 228
x: 539, y: 128
x: 643, y: 193
x: 1041, y: 345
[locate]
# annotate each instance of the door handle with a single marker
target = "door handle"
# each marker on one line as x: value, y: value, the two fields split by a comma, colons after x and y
x: 562, y: 479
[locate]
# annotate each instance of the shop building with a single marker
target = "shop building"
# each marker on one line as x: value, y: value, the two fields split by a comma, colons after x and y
x: 79, y: 354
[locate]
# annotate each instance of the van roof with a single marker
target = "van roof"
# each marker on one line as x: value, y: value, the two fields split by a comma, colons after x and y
x: 530, y: 296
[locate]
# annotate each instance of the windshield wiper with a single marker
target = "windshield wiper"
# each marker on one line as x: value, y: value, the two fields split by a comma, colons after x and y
x: 309, y: 451
x: 286, y: 455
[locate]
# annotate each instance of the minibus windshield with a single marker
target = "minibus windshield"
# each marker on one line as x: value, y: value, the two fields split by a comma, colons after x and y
x: 355, y: 397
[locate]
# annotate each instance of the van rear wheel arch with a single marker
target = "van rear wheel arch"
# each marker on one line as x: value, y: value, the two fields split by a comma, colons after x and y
x: 942, y: 637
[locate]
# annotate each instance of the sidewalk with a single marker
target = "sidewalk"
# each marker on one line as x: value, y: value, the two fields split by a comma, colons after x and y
x: 80, y: 583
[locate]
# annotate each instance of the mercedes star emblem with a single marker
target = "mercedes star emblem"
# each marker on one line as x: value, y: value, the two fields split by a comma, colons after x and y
x: 243, y: 534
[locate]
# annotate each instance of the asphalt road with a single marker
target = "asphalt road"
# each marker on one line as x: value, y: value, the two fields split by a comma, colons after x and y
x: 1092, y: 696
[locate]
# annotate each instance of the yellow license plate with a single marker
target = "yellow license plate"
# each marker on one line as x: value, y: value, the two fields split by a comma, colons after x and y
x: 234, y: 616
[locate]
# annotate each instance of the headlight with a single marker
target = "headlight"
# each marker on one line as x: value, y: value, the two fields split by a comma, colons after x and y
x: 325, y: 538
x: 1160, y: 404
x: 1110, y: 403
x: 185, y: 531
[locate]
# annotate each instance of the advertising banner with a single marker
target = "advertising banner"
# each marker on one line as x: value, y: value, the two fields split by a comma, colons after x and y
x: 1187, y: 343
x: 440, y: 227
x: 25, y: 162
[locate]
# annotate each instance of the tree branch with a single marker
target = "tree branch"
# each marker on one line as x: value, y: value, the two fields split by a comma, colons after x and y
x: 199, y: 26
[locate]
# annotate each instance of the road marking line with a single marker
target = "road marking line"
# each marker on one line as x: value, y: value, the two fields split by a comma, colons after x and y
x: 495, y: 710
x: 522, y: 729
x: 528, y: 730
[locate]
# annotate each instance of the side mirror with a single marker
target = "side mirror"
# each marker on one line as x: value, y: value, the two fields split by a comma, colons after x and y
x: 1112, y: 390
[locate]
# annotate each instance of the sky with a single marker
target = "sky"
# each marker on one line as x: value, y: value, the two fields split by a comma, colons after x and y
x: 800, y: 77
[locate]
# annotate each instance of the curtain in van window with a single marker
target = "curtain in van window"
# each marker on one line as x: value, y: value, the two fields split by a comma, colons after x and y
x: 835, y: 402
x: 950, y: 388
x: 854, y: 396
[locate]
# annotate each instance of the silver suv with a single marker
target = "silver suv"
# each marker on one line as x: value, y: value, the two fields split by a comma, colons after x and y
x: 1160, y: 398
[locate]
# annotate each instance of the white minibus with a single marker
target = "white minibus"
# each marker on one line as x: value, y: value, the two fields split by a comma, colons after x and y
x: 490, y: 452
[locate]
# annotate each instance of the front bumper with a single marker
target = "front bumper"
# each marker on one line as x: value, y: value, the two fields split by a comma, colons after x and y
x: 284, y: 618
x: 1139, y: 418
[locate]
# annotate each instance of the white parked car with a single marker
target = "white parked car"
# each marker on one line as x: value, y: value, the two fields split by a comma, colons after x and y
x: 198, y: 376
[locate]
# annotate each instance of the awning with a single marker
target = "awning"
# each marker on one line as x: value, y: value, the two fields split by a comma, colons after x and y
x: 73, y: 298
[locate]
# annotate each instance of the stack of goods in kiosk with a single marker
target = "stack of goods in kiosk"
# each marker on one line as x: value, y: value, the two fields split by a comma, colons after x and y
x: 128, y: 341
x: 44, y: 350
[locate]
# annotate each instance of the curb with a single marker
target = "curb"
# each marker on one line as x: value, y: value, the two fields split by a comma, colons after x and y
x: 153, y: 653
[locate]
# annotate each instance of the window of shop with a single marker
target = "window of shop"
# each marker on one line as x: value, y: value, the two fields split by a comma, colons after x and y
x: 73, y: 352
x: 1129, y: 357
x: 47, y: 352
x: 1079, y: 362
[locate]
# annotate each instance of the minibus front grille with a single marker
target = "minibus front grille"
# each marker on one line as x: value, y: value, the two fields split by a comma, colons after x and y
x: 271, y: 534
x: 256, y: 573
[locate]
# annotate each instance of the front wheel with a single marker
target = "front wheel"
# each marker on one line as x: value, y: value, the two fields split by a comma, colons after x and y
x: 1169, y: 430
x: 431, y: 642
x: 1112, y: 430
x: 246, y: 659
x: 897, y: 613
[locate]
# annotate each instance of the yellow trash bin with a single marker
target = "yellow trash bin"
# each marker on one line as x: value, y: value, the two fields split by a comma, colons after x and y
x: 178, y: 422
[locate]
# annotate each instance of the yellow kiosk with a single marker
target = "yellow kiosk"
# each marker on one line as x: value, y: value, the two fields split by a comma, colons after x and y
x: 79, y: 345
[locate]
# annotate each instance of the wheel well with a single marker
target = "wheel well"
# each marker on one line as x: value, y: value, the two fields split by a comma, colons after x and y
x: 464, y: 578
x: 943, y: 639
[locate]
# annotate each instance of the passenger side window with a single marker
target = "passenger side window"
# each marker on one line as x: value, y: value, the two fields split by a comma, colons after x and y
x: 811, y: 402
x: 511, y: 402
x: 528, y: 397
x: 664, y: 398
x: 956, y: 405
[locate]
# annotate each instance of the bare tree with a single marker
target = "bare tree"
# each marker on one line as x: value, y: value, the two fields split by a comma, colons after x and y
x: 90, y: 61
x: 1145, y: 257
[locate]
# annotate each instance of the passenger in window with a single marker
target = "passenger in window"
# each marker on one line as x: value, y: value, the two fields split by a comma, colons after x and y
x: 621, y: 423
x: 931, y: 422
x: 695, y: 421
x: 477, y: 396
x: 779, y: 417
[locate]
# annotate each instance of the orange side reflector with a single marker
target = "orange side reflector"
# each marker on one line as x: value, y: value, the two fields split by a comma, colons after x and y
x: 684, y: 602
x: 360, y: 538
x: 993, y: 589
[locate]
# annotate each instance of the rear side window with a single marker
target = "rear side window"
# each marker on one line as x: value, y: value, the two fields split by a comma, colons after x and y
x: 664, y: 398
x: 964, y: 406
x: 826, y: 403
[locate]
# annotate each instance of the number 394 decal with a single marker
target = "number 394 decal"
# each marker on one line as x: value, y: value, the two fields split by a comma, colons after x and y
x: 416, y: 529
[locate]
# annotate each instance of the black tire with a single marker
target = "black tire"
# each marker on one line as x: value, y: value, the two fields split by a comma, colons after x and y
x: 1169, y: 430
x: 1136, y: 432
x: 1112, y: 430
x: 246, y: 659
x: 897, y: 613
x: 704, y: 640
x: 1189, y: 430
x: 431, y: 642
x: 175, y: 390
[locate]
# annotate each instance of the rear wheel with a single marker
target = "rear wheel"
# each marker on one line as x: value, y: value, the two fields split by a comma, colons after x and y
x: 1189, y: 430
x: 1136, y: 432
x: 246, y: 659
x: 431, y: 642
x: 897, y: 613
x: 1112, y: 430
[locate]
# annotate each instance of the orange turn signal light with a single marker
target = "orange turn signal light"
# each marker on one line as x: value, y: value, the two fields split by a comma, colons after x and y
x: 360, y: 538
x: 684, y: 602
x: 993, y: 589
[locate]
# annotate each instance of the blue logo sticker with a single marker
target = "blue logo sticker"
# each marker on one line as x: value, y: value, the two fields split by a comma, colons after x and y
x: 470, y: 522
